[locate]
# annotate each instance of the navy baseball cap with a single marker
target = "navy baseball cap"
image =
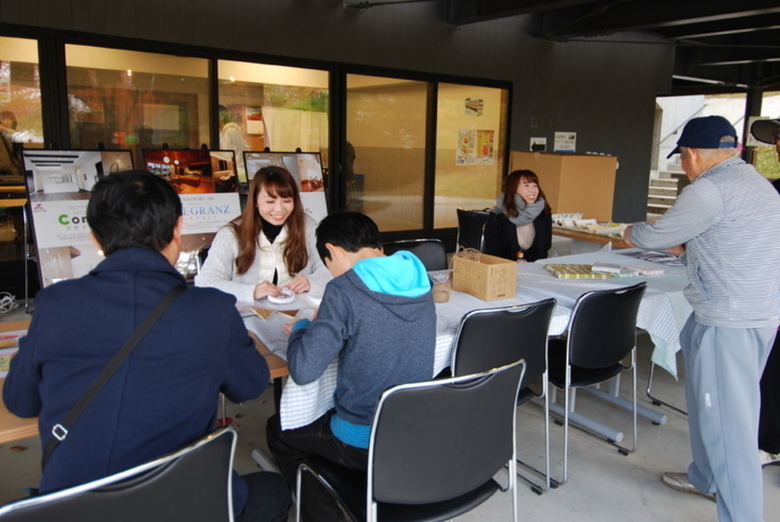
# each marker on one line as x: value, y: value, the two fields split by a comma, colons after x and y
x: 765, y: 130
x: 706, y: 133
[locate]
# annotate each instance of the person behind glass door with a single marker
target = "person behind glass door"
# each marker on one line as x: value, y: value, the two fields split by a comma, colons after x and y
x: 271, y: 246
x: 231, y: 136
x: 10, y: 163
x: 520, y: 225
x: 768, y: 131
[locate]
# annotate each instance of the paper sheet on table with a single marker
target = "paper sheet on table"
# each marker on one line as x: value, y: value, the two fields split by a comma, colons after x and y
x: 271, y: 328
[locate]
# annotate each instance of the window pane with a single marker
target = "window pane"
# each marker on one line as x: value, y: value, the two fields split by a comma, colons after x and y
x: 386, y: 130
x: 134, y: 100
x: 20, y: 123
x: 470, y: 135
x: 20, y: 89
x: 282, y: 108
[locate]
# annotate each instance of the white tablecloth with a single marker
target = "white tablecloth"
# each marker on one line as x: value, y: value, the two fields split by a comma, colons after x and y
x: 662, y: 314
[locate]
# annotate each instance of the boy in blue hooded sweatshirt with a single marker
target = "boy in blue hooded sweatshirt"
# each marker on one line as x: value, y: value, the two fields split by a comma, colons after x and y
x: 378, y: 318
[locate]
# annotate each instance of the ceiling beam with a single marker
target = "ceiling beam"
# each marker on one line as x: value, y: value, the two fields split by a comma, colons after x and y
x: 461, y: 12
x: 601, y: 18
x: 747, y: 24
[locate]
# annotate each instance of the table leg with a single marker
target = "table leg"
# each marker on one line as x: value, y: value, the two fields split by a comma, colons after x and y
x: 261, y: 458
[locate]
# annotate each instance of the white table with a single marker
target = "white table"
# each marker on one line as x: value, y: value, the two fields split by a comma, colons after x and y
x: 661, y: 314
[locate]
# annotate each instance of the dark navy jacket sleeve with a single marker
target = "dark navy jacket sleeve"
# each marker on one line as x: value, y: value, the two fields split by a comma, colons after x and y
x: 247, y: 370
x: 20, y: 390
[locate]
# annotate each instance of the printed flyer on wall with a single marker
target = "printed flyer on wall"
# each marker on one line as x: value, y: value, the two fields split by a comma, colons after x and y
x: 475, y: 147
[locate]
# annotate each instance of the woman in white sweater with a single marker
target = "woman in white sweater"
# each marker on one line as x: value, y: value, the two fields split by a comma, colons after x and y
x: 269, y: 248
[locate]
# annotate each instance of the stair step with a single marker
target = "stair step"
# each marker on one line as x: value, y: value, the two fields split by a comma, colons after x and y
x: 664, y: 190
x: 670, y: 183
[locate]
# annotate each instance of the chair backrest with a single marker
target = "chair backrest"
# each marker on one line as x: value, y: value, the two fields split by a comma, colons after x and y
x: 602, y: 327
x: 497, y: 336
x: 431, y: 252
x: 436, y: 440
x: 203, y: 253
x: 193, y: 484
x: 471, y: 228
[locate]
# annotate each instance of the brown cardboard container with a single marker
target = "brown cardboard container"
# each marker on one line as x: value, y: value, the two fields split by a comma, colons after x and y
x: 489, y: 279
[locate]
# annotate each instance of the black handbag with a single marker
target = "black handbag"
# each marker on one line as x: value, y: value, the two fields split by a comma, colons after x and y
x: 60, y: 430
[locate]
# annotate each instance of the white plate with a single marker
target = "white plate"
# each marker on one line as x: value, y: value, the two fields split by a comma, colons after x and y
x: 287, y: 297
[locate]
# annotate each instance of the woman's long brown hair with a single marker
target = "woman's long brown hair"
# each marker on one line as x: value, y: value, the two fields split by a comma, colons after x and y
x: 280, y: 183
x: 511, y: 182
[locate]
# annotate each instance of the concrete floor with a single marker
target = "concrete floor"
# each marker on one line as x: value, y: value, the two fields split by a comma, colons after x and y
x: 603, y: 484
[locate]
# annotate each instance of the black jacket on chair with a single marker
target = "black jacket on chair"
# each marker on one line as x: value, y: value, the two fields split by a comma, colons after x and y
x: 501, y: 238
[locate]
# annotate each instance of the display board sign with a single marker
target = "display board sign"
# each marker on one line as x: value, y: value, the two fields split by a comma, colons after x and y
x: 305, y: 167
x: 58, y: 187
x: 207, y: 183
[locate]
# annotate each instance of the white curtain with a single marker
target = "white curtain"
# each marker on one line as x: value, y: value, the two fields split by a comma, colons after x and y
x: 289, y: 129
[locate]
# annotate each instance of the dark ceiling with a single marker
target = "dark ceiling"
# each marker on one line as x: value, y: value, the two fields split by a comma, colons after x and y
x: 720, y: 46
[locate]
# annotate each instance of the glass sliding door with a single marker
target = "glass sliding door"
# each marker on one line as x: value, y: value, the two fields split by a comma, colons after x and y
x: 385, y: 150
x: 135, y: 100
x: 470, y: 137
x: 281, y: 108
x: 20, y: 90
x: 21, y: 124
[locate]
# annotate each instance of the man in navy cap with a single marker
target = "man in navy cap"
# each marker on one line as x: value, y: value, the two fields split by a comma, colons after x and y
x: 724, y: 226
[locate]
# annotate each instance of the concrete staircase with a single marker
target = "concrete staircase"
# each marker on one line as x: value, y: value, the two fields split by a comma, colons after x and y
x: 663, y: 191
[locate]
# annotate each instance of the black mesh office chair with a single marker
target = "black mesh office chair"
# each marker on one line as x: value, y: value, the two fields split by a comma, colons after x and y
x: 191, y: 484
x: 435, y: 447
x: 496, y: 336
x: 471, y: 228
x: 431, y: 252
x: 601, y: 335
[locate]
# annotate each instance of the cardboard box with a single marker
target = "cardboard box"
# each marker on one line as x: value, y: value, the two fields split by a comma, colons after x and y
x: 489, y: 279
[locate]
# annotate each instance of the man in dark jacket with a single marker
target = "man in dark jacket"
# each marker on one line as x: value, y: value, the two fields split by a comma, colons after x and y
x: 165, y: 394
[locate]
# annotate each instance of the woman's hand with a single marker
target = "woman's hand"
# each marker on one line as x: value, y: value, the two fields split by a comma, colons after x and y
x: 299, y: 284
x: 265, y: 289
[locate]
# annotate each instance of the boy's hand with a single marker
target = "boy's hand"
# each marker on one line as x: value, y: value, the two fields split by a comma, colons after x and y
x: 289, y: 326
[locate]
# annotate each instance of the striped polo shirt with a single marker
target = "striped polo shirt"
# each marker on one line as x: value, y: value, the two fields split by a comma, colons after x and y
x: 729, y: 221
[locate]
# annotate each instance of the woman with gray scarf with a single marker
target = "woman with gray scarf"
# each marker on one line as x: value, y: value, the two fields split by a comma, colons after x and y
x: 520, y: 225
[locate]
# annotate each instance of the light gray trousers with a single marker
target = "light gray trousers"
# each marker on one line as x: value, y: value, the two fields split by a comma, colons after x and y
x: 723, y: 367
